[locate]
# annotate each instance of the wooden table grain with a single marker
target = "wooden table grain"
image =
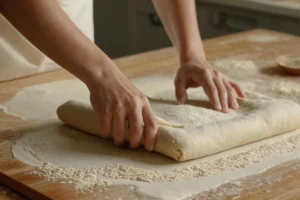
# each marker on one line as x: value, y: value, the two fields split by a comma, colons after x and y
x: 285, y: 178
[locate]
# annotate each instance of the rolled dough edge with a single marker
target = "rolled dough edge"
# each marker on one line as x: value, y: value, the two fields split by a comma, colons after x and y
x: 74, y: 112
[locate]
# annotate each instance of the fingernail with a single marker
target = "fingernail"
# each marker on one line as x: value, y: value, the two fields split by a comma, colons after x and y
x: 218, y: 107
x: 179, y: 102
x: 236, y: 105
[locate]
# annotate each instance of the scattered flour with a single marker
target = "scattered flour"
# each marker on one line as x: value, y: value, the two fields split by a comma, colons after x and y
x: 86, y: 179
x: 83, y: 180
x: 285, y: 87
x: 36, y: 150
x: 239, y: 67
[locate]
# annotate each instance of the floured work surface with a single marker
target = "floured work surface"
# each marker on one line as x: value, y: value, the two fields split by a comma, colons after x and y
x: 88, y: 163
x: 183, y: 180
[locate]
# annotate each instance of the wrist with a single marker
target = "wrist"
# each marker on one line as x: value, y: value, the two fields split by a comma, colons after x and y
x: 99, y: 73
x: 192, y: 57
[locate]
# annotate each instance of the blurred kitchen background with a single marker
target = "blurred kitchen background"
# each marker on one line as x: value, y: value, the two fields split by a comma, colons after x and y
x: 124, y: 27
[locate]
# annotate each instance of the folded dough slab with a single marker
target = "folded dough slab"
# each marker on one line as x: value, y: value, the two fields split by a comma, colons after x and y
x: 204, y: 131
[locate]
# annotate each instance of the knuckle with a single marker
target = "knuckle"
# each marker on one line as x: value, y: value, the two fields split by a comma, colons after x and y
x: 118, y: 105
x: 137, y: 131
x: 235, y: 85
x: 213, y: 90
x: 230, y: 90
x: 134, y: 103
x: 218, y: 74
x: 143, y: 98
x: 152, y: 125
x: 204, y: 71
x: 223, y: 91
x: 105, y: 112
x: 137, y: 124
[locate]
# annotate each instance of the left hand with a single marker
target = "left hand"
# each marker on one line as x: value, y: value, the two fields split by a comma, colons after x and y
x: 221, y: 92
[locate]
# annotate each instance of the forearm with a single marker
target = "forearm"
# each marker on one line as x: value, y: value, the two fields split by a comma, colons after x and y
x: 46, y: 26
x: 180, y: 21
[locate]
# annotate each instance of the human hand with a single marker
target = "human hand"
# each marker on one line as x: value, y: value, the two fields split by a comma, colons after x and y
x: 116, y: 100
x: 221, y: 92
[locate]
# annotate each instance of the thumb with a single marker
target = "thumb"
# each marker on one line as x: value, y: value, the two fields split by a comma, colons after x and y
x: 180, y: 90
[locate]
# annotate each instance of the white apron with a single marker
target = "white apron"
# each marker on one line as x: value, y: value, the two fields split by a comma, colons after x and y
x: 19, y: 58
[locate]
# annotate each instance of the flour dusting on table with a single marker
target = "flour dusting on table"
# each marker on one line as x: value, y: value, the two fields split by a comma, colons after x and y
x: 58, y: 158
x: 285, y: 87
x: 68, y: 156
x: 240, y: 67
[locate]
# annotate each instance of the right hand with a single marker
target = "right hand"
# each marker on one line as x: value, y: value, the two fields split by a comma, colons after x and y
x: 116, y: 100
x: 221, y: 92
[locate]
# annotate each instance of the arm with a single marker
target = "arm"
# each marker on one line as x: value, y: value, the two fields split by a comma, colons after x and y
x: 113, y: 97
x: 180, y: 21
x: 47, y: 27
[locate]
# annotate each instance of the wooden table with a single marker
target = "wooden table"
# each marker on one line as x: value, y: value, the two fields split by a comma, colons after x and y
x: 286, y: 177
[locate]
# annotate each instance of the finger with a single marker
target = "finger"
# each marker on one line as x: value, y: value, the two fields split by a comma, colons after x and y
x: 136, y: 128
x: 180, y: 91
x: 150, y: 127
x: 211, y: 91
x: 105, y: 123
x: 232, y: 101
x: 119, y: 120
x: 238, y: 89
x: 222, y: 92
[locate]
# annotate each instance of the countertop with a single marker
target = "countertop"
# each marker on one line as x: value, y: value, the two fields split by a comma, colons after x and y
x: 164, y: 62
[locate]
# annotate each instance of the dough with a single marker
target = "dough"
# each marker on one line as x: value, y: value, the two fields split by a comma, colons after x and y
x: 87, y: 120
x: 205, y: 131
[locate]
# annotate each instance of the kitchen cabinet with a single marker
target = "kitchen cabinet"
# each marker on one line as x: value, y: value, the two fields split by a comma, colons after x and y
x: 132, y: 26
